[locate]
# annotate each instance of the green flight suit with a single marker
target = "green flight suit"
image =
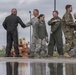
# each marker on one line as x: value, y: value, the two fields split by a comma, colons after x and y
x: 68, y: 27
x: 55, y: 37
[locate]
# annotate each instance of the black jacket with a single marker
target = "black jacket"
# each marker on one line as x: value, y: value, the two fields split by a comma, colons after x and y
x: 11, y: 22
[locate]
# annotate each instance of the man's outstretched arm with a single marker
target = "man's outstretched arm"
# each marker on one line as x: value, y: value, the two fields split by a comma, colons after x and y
x: 29, y: 23
x: 21, y: 23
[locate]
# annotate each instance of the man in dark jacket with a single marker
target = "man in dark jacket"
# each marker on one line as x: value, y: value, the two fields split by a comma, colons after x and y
x: 10, y: 24
x: 55, y: 35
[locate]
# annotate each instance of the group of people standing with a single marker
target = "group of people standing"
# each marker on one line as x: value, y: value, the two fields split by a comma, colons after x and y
x: 40, y: 35
x: 68, y: 27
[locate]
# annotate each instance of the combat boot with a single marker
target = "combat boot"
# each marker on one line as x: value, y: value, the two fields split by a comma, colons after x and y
x: 66, y: 55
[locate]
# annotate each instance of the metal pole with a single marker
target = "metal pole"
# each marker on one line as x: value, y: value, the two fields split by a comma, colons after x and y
x: 30, y: 28
x: 54, y: 4
x: 54, y: 10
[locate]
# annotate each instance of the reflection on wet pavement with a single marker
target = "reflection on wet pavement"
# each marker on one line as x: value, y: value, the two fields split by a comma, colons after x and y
x: 16, y: 68
x: 56, y: 69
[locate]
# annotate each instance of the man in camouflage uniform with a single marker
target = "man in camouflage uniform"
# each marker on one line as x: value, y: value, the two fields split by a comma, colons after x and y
x: 68, y: 28
x: 35, y: 41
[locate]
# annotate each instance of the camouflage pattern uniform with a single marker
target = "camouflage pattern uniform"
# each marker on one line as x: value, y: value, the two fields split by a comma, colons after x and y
x: 35, y: 41
x: 42, y: 35
x: 68, y: 28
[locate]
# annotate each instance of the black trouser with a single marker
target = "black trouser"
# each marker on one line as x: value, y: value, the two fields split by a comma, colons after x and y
x: 56, y: 69
x: 55, y: 39
x: 10, y: 69
x: 12, y: 38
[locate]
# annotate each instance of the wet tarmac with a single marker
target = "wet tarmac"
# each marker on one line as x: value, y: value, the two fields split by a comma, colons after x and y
x: 36, y: 68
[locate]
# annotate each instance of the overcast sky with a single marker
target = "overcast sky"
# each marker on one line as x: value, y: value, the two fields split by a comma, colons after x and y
x: 24, y: 6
